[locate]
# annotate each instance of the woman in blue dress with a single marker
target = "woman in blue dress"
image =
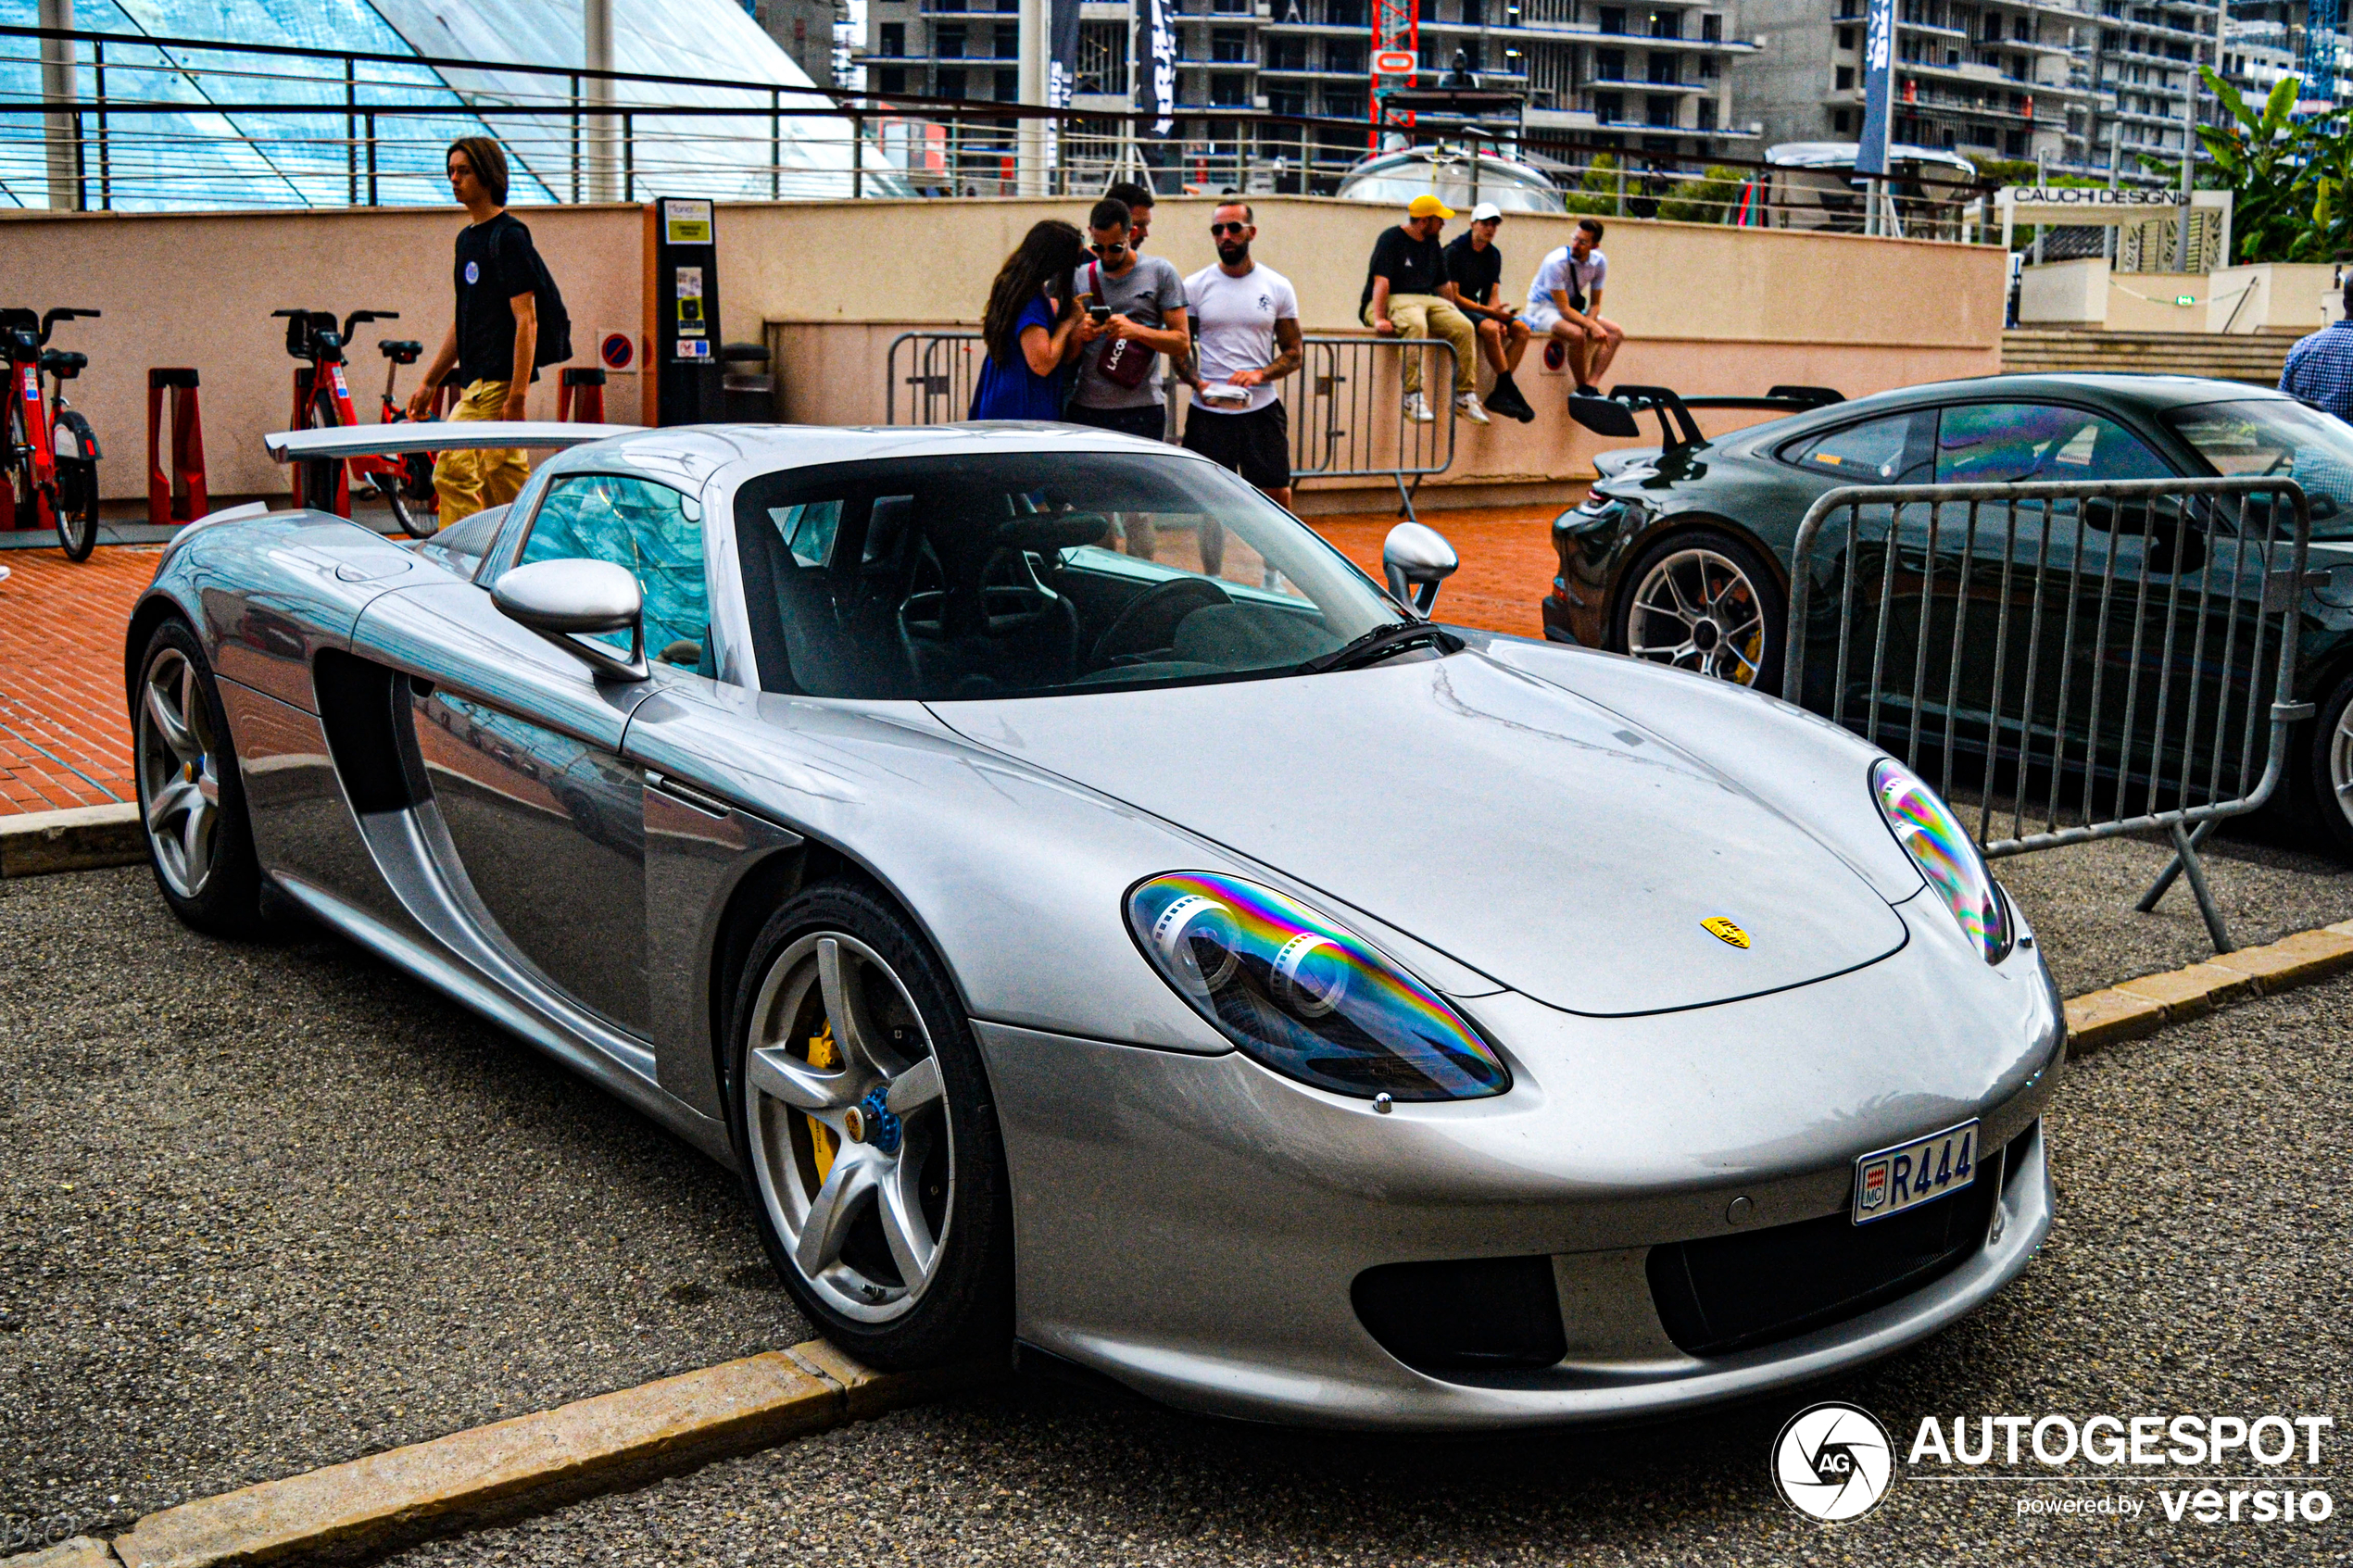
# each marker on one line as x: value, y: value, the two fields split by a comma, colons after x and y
x: 1033, y: 324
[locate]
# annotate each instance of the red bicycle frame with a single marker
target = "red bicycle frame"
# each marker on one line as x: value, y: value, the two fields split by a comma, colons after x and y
x: 24, y: 392
x: 312, y: 335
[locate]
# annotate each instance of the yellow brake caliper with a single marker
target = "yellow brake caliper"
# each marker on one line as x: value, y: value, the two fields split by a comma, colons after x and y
x: 822, y: 1139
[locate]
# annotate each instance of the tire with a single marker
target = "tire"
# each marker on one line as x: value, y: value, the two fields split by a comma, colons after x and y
x: 192, y: 800
x: 2328, y: 768
x: 75, y: 507
x: 909, y: 1261
x: 1704, y: 600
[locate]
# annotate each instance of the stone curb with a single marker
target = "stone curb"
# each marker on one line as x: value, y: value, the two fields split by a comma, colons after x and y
x: 80, y: 839
x: 516, y: 1466
x: 2141, y: 1006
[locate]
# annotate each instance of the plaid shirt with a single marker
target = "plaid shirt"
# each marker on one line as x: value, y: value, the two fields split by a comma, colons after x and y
x: 2319, y: 369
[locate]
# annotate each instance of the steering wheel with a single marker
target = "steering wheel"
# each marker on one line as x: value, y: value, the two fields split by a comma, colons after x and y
x: 1149, y: 623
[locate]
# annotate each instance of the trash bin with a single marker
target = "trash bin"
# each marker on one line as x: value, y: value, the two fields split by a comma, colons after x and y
x: 747, y: 393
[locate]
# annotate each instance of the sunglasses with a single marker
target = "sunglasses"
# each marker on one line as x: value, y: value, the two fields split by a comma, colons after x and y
x: 1112, y: 248
x: 1218, y: 230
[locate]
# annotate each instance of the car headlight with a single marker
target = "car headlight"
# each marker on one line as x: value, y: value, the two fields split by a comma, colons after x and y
x: 1303, y: 995
x: 1938, y: 844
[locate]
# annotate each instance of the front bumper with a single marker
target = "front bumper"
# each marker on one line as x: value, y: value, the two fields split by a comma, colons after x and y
x: 1191, y: 1226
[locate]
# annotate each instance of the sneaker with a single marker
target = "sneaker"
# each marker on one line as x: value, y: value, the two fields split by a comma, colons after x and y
x: 1585, y: 389
x: 1418, y: 409
x: 1467, y: 404
x: 1505, y: 398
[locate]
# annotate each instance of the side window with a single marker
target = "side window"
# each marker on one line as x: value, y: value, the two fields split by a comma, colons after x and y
x: 1889, y: 451
x: 650, y: 529
x: 2012, y: 443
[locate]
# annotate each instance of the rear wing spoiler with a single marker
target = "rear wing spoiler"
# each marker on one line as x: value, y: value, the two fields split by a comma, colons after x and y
x: 1614, y: 416
x: 434, y: 436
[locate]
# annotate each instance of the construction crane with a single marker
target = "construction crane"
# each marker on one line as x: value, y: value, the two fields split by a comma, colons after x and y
x: 1396, y: 37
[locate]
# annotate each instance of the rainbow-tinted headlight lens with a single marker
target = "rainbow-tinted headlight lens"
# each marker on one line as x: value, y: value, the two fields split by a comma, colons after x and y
x: 1928, y: 832
x: 1304, y: 996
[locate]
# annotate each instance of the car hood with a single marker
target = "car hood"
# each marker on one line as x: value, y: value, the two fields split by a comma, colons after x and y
x: 1526, y: 832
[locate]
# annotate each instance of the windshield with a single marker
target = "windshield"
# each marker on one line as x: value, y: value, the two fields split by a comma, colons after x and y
x: 2279, y: 439
x: 1034, y: 573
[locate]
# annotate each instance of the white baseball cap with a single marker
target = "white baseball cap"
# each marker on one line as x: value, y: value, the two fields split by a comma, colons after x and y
x: 1486, y: 210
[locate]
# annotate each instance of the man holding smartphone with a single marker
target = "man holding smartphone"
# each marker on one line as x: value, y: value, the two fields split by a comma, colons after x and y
x: 1139, y: 302
x: 1247, y: 318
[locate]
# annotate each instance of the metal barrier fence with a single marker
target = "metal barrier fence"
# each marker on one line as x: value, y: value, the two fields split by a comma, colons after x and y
x: 1345, y: 405
x: 2085, y: 659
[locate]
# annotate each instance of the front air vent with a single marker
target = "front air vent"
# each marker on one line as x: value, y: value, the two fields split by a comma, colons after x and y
x: 1482, y: 1314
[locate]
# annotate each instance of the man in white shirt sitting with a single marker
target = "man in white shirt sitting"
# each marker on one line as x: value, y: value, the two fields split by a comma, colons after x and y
x: 1247, y: 319
x: 1564, y: 301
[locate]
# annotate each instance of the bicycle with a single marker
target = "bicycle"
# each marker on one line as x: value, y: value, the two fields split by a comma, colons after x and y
x: 50, y: 451
x: 322, y: 401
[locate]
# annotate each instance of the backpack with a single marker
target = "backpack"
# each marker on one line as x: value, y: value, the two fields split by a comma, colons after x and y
x: 554, y: 344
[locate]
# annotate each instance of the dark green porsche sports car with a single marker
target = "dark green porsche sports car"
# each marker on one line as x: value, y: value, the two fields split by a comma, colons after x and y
x: 1681, y: 552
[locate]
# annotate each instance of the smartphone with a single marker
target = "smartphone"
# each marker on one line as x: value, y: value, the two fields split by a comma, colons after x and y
x: 1099, y: 314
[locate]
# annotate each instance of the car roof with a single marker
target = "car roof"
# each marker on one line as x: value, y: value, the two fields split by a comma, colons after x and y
x: 696, y: 451
x: 2139, y: 391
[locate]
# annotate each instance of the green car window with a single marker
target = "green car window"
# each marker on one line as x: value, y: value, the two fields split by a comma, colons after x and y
x: 1889, y: 451
x: 650, y: 529
x: 2015, y: 443
x: 2272, y: 437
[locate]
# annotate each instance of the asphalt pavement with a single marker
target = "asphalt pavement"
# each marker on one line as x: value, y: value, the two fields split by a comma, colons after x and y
x: 271, y: 1207
x: 2200, y: 1263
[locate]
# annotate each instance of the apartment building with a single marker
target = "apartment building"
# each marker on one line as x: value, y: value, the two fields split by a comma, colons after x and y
x: 1653, y: 77
x: 1992, y: 77
x: 804, y: 30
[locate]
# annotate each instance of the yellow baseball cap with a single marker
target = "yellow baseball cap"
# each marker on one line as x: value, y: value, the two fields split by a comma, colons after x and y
x: 1428, y: 207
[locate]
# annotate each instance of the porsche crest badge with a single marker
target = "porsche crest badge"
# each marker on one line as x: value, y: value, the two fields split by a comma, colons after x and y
x: 1724, y: 930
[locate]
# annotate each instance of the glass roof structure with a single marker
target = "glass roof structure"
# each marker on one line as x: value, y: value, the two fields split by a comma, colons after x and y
x: 167, y: 126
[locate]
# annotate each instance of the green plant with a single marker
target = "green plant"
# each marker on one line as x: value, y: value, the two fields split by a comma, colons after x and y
x: 1596, y: 189
x: 1705, y: 200
x: 2283, y: 176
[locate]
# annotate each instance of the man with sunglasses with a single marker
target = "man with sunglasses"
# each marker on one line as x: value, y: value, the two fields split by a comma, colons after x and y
x: 1247, y: 318
x: 1145, y: 300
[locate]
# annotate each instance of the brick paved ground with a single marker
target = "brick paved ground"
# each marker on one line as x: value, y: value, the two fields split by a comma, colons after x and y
x: 64, y: 740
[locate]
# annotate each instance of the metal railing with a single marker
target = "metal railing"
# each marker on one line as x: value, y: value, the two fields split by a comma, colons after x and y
x: 136, y: 121
x: 1345, y: 406
x: 2084, y: 659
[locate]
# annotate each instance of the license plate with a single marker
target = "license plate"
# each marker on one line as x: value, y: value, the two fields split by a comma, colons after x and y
x: 1912, y: 1173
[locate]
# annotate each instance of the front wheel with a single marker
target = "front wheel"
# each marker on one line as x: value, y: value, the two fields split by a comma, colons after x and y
x: 192, y: 802
x: 2329, y: 768
x: 74, y: 504
x: 868, y: 1139
x: 1707, y: 601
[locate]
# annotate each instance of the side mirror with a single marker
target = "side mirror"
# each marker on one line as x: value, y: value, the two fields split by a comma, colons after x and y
x: 1604, y: 416
x: 563, y: 600
x: 1416, y: 559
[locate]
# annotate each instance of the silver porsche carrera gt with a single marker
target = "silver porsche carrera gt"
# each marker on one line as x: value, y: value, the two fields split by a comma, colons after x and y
x: 1095, y: 916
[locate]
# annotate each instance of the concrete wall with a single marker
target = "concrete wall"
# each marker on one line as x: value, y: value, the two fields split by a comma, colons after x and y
x: 2064, y: 294
x: 1709, y: 309
x: 198, y: 290
x: 2278, y: 297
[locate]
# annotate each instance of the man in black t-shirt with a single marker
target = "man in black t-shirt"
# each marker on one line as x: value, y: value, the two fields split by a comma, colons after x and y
x: 1402, y: 298
x: 491, y: 347
x: 1474, y: 274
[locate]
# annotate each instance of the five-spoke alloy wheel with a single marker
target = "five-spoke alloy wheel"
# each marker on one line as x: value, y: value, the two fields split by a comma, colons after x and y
x: 191, y: 800
x: 1705, y: 601
x: 869, y: 1147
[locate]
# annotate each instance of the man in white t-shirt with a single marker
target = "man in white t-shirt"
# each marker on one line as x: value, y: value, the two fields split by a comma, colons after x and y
x: 1564, y: 301
x: 1246, y: 316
